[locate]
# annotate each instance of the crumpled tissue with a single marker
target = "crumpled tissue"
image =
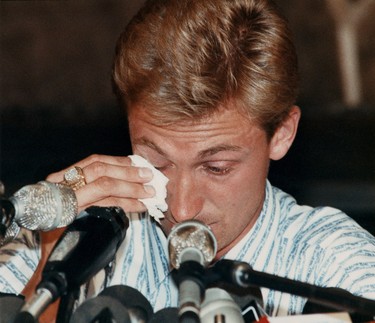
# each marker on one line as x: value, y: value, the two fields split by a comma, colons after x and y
x: 156, y: 204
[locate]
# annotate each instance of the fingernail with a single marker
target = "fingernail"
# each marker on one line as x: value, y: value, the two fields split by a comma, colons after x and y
x: 145, y: 173
x: 149, y: 189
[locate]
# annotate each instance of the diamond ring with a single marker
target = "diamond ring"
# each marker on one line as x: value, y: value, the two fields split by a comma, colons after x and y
x: 74, y: 178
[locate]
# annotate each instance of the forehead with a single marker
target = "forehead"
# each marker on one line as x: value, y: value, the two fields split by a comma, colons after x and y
x: 191, y: 116
x: 169, y: 114
x: 223, y: 131
x: 223, y: 119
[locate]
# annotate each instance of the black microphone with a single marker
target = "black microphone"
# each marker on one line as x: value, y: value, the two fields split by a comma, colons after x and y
x: 101, y: 309
x: 168, y: 314
x: 312, y: 307
x: 242, y: 275
x: 43, y: 206
x: 85, y: 247
x: 118, y: 303
x: 191, y: 246
x: 10, y: 304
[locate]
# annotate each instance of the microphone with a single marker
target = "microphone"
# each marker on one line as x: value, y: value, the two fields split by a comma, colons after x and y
x: 101, y: 309
x: 312, y: 307
x: 10, y: 304
x: 119, y: 303
x: 85, y: 247
x: 248, y: 299
x: 241, y: 274
x: 219, y: 306
x: 192, y: 246
x: 43, y: 206
x: 168, y: 314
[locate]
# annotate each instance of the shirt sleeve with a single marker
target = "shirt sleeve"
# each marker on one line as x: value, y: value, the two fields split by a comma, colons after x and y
x: 18, y: 261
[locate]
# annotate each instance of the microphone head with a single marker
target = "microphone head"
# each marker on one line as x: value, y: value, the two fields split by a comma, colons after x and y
x: 136, y: 303
x: 10, y: 306
x: 45, y: 206
x: 101, y: 309
x: 169, y: 314
x: 191, y: 239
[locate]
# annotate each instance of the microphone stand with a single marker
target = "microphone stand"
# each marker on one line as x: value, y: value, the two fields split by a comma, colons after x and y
x: 66, y: 306
x: 242, y: 275
x: 86, y: 246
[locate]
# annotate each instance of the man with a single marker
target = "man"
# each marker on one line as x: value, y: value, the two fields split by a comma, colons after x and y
x: 209, y: 88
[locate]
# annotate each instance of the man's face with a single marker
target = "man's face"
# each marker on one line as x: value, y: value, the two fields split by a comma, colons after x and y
x: 217, y: 169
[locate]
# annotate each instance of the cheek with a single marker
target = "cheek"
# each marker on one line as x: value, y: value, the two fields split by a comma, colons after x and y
x: 240, y: 196
x: 242, y: 186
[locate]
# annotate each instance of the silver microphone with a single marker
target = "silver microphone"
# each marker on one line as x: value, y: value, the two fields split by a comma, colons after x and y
x: 219, y: 306
x: 192, y: 246
x: 43, y: 206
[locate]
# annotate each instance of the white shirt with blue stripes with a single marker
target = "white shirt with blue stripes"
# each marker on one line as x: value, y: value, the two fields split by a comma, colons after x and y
x: 320, y: 246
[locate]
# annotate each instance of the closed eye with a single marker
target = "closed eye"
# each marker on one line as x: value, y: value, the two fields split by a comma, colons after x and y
x: 219, y: 171
x: 162, y: 168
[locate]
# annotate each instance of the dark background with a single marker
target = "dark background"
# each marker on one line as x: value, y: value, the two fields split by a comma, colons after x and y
x: 57, y: 105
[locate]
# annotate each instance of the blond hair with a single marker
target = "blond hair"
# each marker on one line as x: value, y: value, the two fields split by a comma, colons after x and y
x: 184, y: 59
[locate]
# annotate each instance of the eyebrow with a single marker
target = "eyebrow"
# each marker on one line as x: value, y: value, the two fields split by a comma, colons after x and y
x: 202, y: 154
x: 216, y: 149
x: 148, y: 143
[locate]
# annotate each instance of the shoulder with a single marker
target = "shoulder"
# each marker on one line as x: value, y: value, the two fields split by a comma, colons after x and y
x: 326, y: 244
x: 321, y: 225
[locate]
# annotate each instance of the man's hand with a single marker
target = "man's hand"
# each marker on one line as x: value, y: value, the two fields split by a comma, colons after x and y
x: 111, y: 181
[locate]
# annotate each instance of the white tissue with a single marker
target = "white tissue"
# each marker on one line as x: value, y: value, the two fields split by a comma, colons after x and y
x: 155, y: 205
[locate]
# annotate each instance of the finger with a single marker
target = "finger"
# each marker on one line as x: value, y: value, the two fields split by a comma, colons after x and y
x: 112, y: 160
x: 107, y: 187
x: 127, y: 173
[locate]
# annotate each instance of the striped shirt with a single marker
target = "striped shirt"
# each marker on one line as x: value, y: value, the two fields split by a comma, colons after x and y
x: 320, y: 246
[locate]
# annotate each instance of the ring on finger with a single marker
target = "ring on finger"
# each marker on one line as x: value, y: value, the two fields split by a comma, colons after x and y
x: 74, y: 178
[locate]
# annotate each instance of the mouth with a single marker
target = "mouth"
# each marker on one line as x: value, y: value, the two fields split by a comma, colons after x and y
x: 168, y: 224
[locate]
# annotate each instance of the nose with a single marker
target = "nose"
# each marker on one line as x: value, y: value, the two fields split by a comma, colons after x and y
x: 185, y: 199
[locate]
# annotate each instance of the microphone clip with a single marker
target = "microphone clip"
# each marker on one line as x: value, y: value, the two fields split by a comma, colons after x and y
x: 193, y: 271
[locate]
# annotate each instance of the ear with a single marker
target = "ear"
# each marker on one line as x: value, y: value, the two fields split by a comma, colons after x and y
x: 285, y: 134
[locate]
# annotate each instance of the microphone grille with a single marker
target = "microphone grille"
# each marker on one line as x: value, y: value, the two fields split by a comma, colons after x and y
x: 191, y: 235
x: 45, y: 206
